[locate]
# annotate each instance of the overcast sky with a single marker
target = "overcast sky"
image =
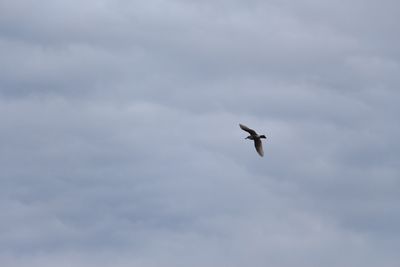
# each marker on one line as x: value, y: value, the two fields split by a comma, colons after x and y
x: 120, y: 144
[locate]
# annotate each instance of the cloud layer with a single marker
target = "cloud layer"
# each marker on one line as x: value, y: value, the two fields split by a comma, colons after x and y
x: 120, y: 143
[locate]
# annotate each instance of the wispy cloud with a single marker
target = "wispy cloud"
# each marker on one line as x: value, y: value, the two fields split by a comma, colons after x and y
x: 120, y: 143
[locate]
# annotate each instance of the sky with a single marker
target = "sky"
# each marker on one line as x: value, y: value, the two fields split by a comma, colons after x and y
x: 120, y: 142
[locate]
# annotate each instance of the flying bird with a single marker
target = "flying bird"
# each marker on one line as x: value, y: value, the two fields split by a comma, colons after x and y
x: 254, y: 136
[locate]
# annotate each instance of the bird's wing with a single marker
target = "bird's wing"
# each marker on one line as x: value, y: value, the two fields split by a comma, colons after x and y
x: 258, y: 145
x: 247, y: 129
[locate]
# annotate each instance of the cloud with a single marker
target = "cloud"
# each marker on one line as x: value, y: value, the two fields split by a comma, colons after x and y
x: 120, y: 142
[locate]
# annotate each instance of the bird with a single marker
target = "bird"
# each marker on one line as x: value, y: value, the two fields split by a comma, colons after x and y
x: 254, y: 136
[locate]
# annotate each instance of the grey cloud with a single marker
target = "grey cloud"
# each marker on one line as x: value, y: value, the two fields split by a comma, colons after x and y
x: 120, y: 142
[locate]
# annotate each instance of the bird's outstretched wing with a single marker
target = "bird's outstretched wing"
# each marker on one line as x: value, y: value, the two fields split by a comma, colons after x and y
x: 259, y: 148
x: 247, y: 129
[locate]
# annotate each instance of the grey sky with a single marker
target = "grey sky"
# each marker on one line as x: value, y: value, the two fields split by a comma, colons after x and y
x: 120, y: 145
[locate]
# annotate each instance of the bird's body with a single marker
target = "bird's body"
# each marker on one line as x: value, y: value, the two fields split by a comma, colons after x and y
x: 255, y: 137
